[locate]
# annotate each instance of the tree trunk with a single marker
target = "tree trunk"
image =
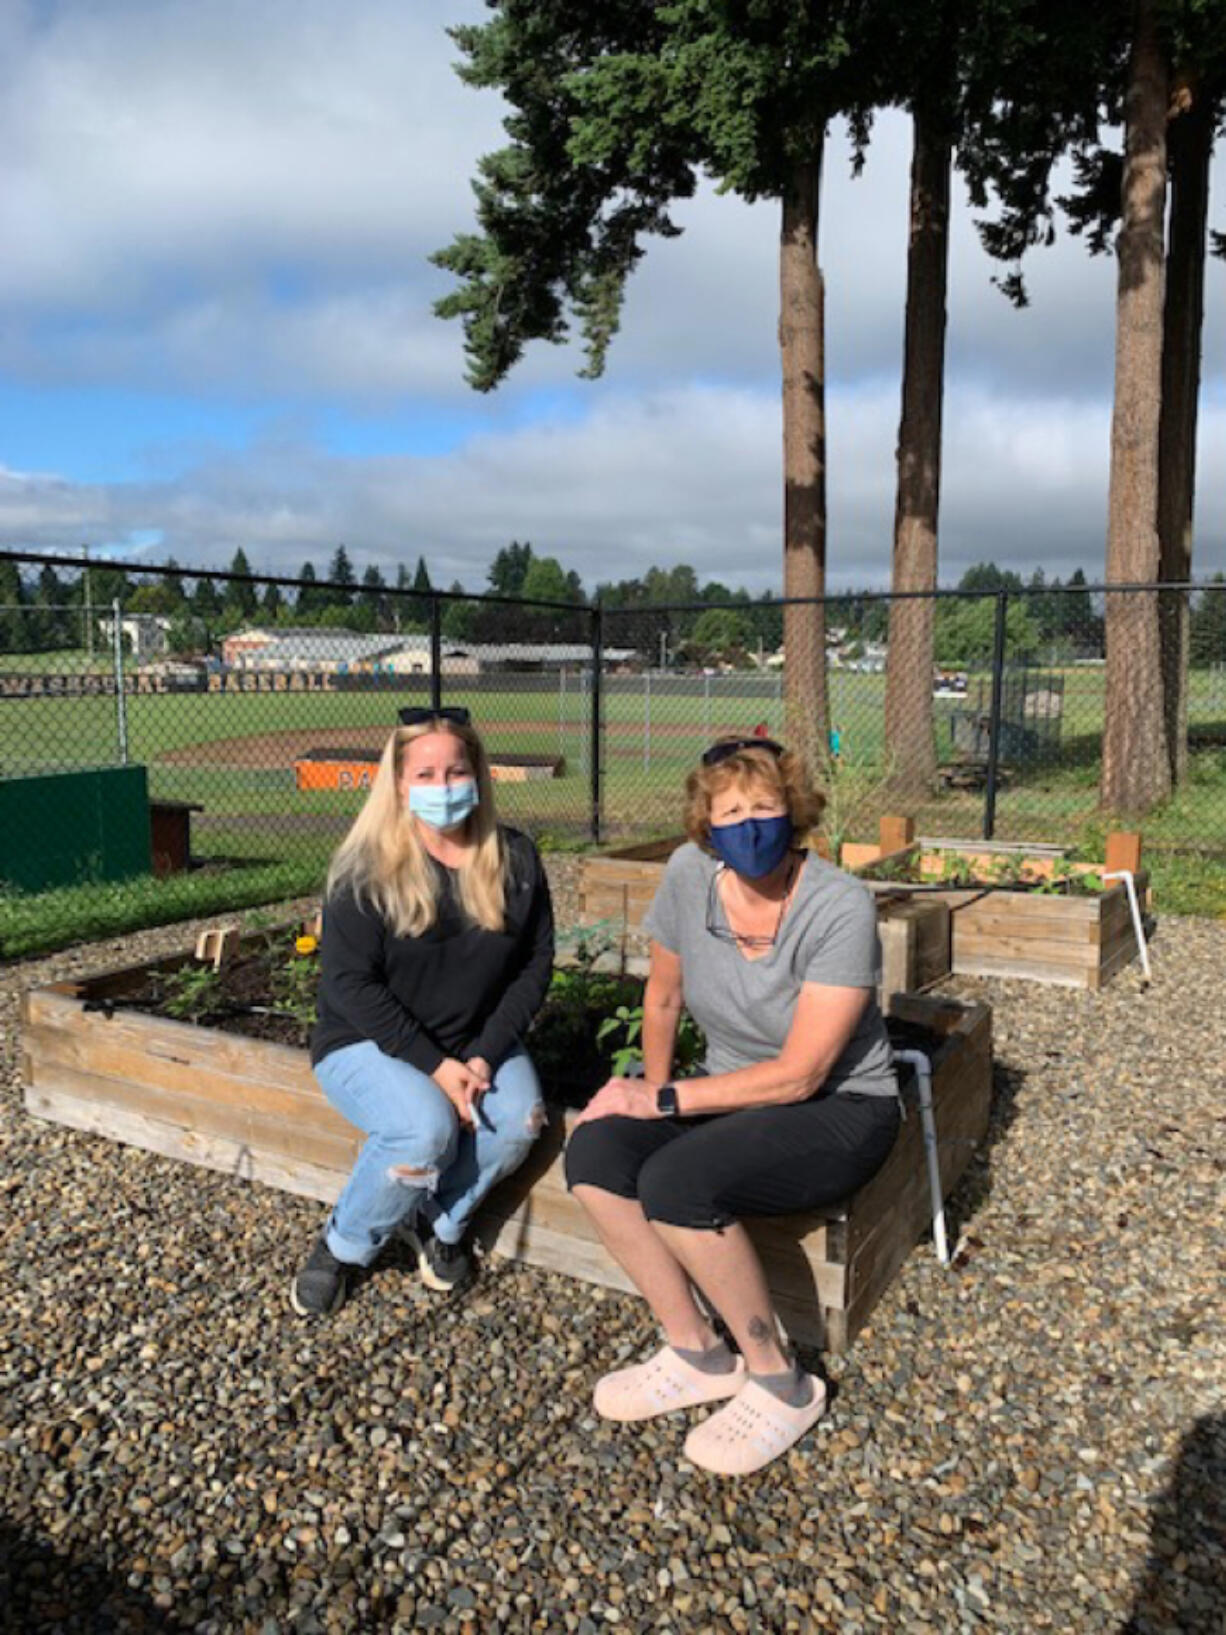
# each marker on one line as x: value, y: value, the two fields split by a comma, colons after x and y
x: 908, y: 688
x: 1136, y: 771
x: 1191, y: 147
x: 802, y: 345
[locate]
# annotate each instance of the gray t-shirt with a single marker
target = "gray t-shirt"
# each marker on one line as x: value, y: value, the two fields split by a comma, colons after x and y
x: 745, y: 1006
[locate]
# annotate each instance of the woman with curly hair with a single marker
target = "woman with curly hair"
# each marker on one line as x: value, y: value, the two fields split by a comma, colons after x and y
x: 437, y: 952
x: 774, y: 953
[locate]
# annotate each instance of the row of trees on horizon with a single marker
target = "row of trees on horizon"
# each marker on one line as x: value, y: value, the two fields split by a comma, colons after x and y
x: 668, y: 615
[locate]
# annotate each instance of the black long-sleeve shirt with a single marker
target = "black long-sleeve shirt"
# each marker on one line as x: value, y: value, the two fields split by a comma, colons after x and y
x: 457, y: 990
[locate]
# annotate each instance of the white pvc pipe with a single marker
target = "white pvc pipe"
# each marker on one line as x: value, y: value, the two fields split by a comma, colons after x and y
x: 1138, y: 925
x: 928, y: 1123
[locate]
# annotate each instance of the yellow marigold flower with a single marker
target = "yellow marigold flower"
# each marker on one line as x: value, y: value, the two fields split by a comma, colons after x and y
x: 306, y: 945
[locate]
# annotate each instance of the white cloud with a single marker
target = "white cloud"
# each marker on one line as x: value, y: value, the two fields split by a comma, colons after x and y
x: 690, y: 474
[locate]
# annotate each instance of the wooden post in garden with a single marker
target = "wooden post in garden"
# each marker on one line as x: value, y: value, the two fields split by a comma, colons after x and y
x: 1123, y: 852
x: 895, y: 833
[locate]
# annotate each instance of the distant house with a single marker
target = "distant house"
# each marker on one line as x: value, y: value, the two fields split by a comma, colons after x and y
x: 335, y: 652
x: 145, y: 635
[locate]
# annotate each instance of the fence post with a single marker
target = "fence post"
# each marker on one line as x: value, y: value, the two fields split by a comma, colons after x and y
x: 998, y: 687
x: 561, y: 709
x: 121, y: 705
x: 436, y: 654
x: 647, y: 720
x: 597, y: 667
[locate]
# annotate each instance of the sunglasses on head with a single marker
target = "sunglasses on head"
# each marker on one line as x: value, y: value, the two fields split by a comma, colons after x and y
x: 413, y: 715
x: 733, y: 746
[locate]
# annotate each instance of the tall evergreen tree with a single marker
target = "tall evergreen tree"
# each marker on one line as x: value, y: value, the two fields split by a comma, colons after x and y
x: 205, y: 602
x: 241, y: 599
x: 1136, y: 770
x: 373, y: 596
x: 341, y: 579
x: 615, y: 111
x: 509, y: 569
x: 174, y: 585
x: 311, y: 597
x: 421, y: 579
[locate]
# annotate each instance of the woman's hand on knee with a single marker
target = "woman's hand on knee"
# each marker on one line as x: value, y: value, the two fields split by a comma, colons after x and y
x: 462, y: 1086
x: 621, y: 1098
x: 481, y: 1068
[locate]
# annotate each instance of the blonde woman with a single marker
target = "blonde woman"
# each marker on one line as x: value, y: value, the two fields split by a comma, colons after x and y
x: 437, y: 951
x: 774, y: 953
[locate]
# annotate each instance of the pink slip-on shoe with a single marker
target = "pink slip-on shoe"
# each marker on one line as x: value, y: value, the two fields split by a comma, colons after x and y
x: 754, y: 1429
x: 661, y: 1385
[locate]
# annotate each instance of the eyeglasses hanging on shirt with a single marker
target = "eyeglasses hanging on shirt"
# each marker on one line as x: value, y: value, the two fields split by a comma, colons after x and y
x: 743, y: 939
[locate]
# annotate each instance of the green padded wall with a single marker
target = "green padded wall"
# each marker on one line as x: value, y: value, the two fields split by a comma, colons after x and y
x: 66, y: 828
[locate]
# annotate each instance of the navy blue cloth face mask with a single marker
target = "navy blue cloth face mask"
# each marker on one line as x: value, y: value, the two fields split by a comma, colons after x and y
x: 754, y: 846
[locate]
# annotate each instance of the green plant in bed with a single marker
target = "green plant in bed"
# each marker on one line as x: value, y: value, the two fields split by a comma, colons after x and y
x: 295, y: 980
x: 563, y: 1040
x: 956, y: 870
x: 191, y: 992
x: 627, y: 1021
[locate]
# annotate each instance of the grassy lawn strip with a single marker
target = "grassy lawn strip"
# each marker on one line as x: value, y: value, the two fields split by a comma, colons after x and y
x: 42, y: 922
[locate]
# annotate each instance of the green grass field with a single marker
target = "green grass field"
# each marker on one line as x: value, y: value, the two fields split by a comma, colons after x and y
x: 233, y: 753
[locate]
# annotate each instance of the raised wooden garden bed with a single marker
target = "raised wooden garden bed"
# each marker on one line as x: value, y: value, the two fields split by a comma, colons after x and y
x: 616, y: 887
x: 252, y: 1108
x: 1025, y: 911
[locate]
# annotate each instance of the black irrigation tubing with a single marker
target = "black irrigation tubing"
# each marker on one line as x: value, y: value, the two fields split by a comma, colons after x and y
x: 108, y: 1007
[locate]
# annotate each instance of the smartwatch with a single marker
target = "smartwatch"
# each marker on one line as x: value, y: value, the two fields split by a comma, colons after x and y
x: 666, y: 1101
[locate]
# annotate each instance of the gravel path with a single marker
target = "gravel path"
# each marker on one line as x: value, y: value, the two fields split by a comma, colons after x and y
x: 1035, y: 1440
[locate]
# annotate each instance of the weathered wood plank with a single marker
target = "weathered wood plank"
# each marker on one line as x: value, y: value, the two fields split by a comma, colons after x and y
x: 988, y: 920
x: 301, y: 1141
x: 182, y: 1042
x: 221, y: 1153
x: 1035, y: 905
x: 112, y: 1059
x: 1023, y: 970
x: 1039, y: 955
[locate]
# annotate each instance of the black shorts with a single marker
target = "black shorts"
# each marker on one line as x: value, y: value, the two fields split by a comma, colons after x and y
x: 709, y: 1172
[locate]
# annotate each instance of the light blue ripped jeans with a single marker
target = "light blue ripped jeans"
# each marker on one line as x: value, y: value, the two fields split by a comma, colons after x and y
x: 411, y: 1125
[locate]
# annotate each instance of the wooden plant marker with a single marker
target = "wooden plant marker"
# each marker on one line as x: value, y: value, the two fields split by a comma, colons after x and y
x: 313, y: 925
x: 219, y: 946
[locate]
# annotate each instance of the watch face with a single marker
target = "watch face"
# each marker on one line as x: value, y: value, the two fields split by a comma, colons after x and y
x: 666, y: 1100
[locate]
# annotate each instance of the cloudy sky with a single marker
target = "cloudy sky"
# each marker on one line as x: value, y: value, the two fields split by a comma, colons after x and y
x: 216, y: 330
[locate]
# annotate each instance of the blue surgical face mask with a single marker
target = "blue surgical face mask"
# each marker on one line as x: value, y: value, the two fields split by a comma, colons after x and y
x: 754, y: 846
x: 443, y: 806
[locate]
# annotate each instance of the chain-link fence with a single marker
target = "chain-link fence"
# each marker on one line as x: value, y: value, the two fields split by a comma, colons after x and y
x: 990, y: 721
x: 257, y: 706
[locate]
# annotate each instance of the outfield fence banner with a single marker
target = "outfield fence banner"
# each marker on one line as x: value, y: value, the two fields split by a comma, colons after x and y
x: 260, y: 705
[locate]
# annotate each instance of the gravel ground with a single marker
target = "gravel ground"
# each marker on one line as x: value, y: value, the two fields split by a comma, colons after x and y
x: 1033, y: 1440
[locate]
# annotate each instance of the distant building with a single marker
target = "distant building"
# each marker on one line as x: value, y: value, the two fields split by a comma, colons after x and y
x: 146, y: 635
x: 331, y: 651
x: 345, y: 652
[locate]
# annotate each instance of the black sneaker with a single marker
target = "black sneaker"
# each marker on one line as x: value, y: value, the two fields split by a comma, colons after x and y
x: 444, y: 1267
x: 320, y: 1287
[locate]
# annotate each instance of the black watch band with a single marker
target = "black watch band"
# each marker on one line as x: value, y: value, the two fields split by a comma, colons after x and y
x: 666, y: 1101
